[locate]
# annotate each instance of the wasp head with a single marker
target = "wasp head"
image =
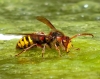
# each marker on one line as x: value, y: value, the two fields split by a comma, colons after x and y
x: 66, y: 43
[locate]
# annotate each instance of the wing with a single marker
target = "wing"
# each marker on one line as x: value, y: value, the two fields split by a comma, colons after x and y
x: 45, y: 21
x: 34, y: 33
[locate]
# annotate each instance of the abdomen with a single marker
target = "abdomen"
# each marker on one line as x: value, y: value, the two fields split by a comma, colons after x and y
x: 24, y: 42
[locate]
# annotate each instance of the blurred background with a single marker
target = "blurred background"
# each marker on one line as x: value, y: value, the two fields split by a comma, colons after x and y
x: 17, y: 12
x: 60, y: 9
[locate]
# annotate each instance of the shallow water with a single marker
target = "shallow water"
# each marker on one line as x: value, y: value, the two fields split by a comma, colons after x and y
x: 69, y: 16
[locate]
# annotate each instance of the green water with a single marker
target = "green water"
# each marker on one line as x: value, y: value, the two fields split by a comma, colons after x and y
x: 69, y: 16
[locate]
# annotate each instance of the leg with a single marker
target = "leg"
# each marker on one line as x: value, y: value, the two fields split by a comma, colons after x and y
x: 24, y: 50
x: 43, y: 50
x: 58, y: 50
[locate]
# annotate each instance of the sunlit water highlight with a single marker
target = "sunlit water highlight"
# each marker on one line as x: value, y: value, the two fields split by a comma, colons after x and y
x: 9, y: 37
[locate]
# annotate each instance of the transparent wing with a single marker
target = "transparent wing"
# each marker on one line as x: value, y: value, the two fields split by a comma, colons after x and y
x: 45, y: 21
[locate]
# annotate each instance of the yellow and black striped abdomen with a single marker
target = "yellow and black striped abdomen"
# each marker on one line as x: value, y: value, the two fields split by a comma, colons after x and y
x: 24, y: 42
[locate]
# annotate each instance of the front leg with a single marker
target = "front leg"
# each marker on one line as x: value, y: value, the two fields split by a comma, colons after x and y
x: 57, y: 48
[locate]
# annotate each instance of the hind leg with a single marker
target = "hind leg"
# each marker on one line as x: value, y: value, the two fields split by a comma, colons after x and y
x: 24, y: 50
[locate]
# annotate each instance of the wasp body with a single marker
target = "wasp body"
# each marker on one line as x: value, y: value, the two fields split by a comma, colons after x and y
x: 55, y: 37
